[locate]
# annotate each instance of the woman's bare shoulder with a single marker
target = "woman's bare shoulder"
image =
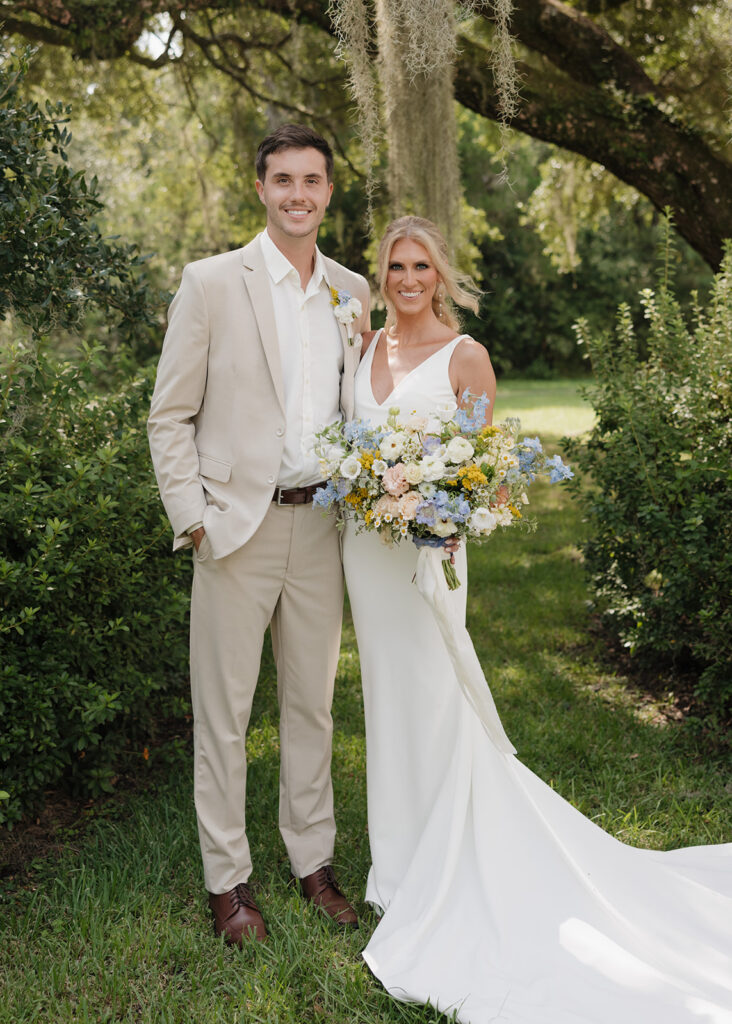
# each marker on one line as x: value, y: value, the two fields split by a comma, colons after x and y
x: 472, y: 353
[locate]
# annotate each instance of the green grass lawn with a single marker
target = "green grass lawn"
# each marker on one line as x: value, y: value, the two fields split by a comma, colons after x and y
x: 552, y: 409
x: 116, y: 928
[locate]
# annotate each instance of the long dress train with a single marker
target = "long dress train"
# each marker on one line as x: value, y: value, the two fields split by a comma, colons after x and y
x: 501, y: 902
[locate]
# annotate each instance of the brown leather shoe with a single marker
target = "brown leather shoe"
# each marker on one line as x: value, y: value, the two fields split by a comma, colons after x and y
x: 236, y: 915
x: 321, y: 889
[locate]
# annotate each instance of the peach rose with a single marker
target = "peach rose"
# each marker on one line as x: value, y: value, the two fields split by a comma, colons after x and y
x: 408, y: 505
x: 386, y: 506
x: 394, y: 480
x: 502, y: 495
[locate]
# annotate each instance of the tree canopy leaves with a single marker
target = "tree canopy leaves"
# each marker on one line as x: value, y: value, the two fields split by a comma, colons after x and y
x: 637, y: 88
x: 54, y: 262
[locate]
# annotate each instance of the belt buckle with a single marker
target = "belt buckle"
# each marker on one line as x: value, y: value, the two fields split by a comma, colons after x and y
x: 280, y: 502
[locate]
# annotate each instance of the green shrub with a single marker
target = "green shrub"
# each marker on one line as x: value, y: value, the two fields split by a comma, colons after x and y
x: 659, y: 554
x: 93, y: 635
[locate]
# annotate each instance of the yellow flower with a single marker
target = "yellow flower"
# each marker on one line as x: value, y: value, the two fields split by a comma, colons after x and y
x: 471, y: 476
x: 369, y: 515
x: 356, y: 496
x: 515, y: 511
x: 334, y: 300
x: 366, y: 458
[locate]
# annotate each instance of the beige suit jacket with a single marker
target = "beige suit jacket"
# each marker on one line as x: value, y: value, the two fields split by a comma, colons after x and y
x: 217, y: 422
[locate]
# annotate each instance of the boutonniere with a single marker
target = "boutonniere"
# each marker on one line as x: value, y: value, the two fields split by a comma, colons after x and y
x: 346, y: 309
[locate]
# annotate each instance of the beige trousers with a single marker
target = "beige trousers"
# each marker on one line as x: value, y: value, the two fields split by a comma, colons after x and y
x: 288, y: 574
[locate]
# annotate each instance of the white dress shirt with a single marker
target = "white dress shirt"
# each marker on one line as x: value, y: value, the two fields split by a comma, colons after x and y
x: 311, y: 356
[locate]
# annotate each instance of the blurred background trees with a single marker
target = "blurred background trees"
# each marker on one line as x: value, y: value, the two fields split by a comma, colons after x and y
x: 171, y: 98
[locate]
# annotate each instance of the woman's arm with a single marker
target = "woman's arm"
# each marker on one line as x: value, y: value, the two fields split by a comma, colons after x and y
x: 470, y: 368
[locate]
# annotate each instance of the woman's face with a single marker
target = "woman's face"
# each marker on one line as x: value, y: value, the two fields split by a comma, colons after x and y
x: 411, y: 279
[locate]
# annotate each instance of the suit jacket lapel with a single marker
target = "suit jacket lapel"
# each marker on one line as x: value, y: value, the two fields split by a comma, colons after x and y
x: 256, y: 280
x: 351, y: 348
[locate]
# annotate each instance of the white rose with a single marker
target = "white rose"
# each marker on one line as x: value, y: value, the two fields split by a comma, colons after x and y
x: 330, y: 460
x: 443, y: 527
x: 459, y: 450
x: 446, y: 410
x: 482, y: 522
x: 413, y: 473
x: 393, y: 445
x: 432, y: 467
x: 347, y: 312
x: 350, y: 467
x: 378, y: 467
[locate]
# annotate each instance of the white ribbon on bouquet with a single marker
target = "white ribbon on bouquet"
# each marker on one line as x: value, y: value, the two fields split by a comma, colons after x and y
x: 430, y: 580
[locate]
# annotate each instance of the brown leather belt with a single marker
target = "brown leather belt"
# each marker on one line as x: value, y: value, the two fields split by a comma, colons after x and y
x: 295, y: 495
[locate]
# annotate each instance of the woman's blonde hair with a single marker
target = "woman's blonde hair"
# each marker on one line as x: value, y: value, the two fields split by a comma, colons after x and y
x: 453, y: 288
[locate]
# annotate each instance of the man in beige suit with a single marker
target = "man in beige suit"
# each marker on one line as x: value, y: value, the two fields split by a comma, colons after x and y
x: 254, y: 362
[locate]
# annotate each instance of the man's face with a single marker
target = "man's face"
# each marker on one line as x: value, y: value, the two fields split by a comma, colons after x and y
x: 296, y: 193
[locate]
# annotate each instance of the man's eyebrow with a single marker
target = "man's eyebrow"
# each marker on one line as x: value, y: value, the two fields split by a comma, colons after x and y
x: 288, y: 174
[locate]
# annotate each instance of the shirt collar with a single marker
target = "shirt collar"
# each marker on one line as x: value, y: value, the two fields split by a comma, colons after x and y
x: 278, y: 265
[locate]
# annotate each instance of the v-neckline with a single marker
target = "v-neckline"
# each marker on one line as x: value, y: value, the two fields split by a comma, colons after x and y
x: 406, y: 375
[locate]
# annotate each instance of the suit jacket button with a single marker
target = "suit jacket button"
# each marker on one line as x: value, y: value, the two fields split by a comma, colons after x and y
x: 280, y: 431
x: 270, y: 479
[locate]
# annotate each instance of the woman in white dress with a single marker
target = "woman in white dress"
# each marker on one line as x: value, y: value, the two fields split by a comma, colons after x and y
x: 500, y: 902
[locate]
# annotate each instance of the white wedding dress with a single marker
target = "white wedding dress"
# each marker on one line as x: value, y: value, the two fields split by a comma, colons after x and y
x: 501, y: 902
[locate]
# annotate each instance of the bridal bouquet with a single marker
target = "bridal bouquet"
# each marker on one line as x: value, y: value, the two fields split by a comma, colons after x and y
x: 432, y: 477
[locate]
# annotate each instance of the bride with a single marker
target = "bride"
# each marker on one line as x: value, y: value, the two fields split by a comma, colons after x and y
x: 500, y: 902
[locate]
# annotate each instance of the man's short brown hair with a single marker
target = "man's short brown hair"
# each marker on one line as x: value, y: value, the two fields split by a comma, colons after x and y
x: 292, y: 136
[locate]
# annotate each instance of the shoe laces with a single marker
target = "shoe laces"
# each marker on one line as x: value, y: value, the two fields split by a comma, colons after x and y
x: 325, y: 878
x: 241, y: 896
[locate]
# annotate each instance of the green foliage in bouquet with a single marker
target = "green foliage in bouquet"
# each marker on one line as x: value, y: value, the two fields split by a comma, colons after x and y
x: 659, y: 554
x: 93, y: 637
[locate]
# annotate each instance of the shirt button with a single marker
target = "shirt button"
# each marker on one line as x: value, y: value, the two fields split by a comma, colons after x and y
x: 270, y: 480
x: 280, y: 431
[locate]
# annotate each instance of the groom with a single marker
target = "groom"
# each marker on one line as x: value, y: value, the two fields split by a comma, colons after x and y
x: 254, y: 362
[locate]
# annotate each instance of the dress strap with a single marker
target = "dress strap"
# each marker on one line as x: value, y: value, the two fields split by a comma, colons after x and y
x: 368, y: 357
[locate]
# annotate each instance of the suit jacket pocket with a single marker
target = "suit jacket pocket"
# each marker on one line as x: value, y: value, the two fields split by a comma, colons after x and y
x: 214, y: 469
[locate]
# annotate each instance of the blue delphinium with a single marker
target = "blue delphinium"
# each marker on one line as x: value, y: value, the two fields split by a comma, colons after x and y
x: 357, y: 432
x: 529, y: 450
x: 343, y: 487
x: 430, y: 444
x: 471, y: 423
x: 557, y: 469
x: 326, y: 495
